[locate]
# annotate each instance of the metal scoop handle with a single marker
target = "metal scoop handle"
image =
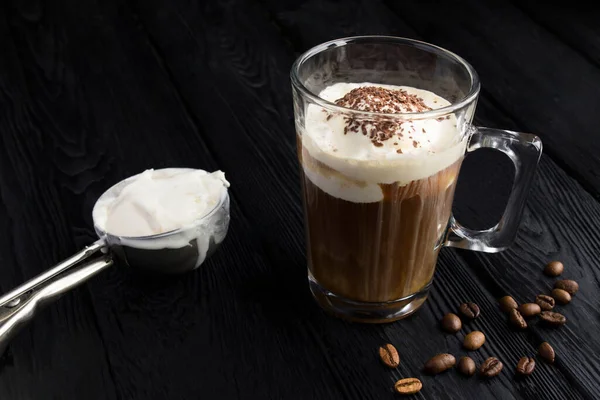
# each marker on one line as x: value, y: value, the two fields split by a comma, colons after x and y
x: 20, y: 305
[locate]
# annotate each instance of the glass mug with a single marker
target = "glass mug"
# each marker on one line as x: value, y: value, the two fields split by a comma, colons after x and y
x: 378, y: 184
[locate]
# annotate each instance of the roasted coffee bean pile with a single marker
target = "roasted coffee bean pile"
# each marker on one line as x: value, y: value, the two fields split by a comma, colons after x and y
x: 519, y: 317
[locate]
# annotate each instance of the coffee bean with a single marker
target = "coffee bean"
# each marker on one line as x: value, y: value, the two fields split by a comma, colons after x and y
x: 474, y: 340
x: 568, y: 285
x: 408, y: 386
x: 525, y: 366
x: 546, y: 352
x: 466, y: 366
x: 561, y: 296
x: 528, y: 310
x: 469, y: 310
x: 389, y: 355
x: 517, y: 320
x: 439, y: 363
x: 553, y: 318
x: 554, y: 268
x: 507, y: 303
x: 546, y: 303
x: 490, y: 367
x: 451, y: 323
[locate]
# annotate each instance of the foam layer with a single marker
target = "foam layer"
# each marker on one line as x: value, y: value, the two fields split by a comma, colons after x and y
x: 348, y: 163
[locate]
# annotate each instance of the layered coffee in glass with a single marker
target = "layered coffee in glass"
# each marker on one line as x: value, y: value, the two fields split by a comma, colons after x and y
x: 382, y: 126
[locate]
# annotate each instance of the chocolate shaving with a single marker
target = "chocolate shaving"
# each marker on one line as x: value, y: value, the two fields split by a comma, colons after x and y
x: 380, y: 100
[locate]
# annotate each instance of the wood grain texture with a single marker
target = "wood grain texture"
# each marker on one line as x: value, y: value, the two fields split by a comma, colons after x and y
x: 546, y: 86
x: 206, y: 85
x: 576, y: 26
x: 179, y: 337
x: 36, y: 186
x: 284, y: 182
x: 557, y: 225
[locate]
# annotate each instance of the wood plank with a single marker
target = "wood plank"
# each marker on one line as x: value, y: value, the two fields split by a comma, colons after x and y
x: 35, y: 230
x: 209, y: 68
x: 256, y: 283
x: 556, y: 226
x: 560, y: 229
x: 542, y: 83
x: 218, y: 331
x: 576, y: 26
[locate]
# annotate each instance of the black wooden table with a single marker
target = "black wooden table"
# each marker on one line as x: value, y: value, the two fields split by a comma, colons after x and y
x: 94, y: 91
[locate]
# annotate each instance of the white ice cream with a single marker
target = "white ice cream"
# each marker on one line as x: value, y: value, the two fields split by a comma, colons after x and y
x: 421, y: 148
x: 165, y: 200
x: 159, y: 201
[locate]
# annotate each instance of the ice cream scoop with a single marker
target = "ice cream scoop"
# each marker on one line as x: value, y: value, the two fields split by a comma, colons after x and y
x: 164, y: 221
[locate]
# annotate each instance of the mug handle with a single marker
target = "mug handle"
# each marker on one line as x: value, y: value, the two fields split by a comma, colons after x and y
x: 525, y: 151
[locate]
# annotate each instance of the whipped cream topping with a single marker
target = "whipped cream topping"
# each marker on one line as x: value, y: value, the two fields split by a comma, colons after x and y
x: 159, y: 201
x: 355, y: 156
